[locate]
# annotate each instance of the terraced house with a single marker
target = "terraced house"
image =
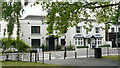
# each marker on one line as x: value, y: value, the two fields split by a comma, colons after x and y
x: 33, y: 32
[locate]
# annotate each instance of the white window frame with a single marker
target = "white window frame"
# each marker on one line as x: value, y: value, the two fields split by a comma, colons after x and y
x: 80, y: 29
x: 97, y: 30
x: 78, y: 41
x: 36, y: 26
x: 99, y: 41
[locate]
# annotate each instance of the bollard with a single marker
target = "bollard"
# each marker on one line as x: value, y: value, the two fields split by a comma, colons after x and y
x: 64, y: 55
x: 30, y: 57
x: 43, y: 55
x: 108, y: 51
x: 75, y: 54
x: 87, y: 52
x: 38, y: 56
x: 35, y: 57
x: 49, y: 56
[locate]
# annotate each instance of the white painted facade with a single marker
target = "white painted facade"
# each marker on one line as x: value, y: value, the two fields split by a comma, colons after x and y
x: 26, y: 35
x: 69, y: 36
x: 3, y: 26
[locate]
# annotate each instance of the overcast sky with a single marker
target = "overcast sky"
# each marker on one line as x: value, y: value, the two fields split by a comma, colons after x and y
x: 35, y: 10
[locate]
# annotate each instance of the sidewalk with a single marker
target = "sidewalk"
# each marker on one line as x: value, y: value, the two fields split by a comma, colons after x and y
x: 83, y: 62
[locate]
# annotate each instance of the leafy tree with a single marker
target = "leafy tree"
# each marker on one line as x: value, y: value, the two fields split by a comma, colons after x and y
x: 11, y: 12
x: 21, y: 47
x: 62, y: 15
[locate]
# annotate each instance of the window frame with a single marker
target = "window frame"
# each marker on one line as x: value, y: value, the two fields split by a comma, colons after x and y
x: 86, y: 30
x: 112, y: 29
x: 78, y: 41
x: 78, y: 30
x: 119, y: 29
x: 35, y: 45
x: 99, y: 41
x: 97, y: 29
x: 35, y: 32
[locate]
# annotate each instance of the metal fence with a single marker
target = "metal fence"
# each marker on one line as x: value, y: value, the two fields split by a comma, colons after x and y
x: 79, y: 53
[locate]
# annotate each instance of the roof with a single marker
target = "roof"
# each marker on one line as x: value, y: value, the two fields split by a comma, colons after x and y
x: 90, y: 36
x: 98, y: 36
x: 51, y: 36
x: 78, y: 36
x: 33, y: 17
x: 94, y: 36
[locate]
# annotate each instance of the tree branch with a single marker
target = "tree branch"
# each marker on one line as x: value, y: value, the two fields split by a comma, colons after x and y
x: 102, y: 6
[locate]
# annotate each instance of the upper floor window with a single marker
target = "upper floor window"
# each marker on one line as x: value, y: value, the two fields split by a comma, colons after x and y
x: 35, y: 29
x: 86, y: 30
x: 118, y: 29
x: 97, y: 29
x: 78, y: 29
x: 112, y: 29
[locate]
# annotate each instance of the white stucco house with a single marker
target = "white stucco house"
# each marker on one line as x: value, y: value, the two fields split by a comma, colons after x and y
x: 33, y: 32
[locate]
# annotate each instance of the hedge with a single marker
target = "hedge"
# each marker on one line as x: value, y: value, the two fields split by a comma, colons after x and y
x: 82, y: 46
x: 104, y: 46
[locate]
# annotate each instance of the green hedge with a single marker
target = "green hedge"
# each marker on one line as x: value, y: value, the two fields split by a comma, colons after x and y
x: 20, y: 45
x: 82, y: 46
x: 69, y: 48
x: 104, y: 46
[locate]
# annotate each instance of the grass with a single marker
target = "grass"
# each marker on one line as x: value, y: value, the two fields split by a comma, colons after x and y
x: 23, y: 64
x: 113, y: 57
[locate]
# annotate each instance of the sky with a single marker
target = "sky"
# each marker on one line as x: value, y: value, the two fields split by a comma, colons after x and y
x: 34, y: 10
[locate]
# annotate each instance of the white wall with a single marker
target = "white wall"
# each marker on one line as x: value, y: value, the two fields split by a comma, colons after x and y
x: 4, y: 26
x: 26, y: 30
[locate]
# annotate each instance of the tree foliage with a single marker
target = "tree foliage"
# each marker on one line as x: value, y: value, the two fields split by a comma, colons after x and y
x: 11, y: 12
x: 62, y: 15
x: 6, y: 44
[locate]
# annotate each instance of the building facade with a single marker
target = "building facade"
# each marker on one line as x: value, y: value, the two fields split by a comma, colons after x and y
x: 114, y: 35
x: 33, y: 32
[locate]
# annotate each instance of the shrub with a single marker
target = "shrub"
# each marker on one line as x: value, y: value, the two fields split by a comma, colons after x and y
x: 69, y: 47
x: 20, y: 45
x: 82, y: 46
x: 104, y: 46
x: 45, y: 47
x: 58, y: 47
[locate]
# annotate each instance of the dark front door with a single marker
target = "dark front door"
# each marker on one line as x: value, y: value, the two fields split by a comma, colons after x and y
x: 112, y: 37
x: 113, y: 43
x: 51, y: 44
x: 62, y: 41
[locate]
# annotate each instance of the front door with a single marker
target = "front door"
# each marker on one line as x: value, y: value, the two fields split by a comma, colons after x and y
x: 62, y: 41
x: 51, y: 44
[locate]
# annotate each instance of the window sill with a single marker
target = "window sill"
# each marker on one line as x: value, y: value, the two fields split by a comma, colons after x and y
x: 35, y: 34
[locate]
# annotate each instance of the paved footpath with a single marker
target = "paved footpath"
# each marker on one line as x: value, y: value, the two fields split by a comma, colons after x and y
x: 85, y: 62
